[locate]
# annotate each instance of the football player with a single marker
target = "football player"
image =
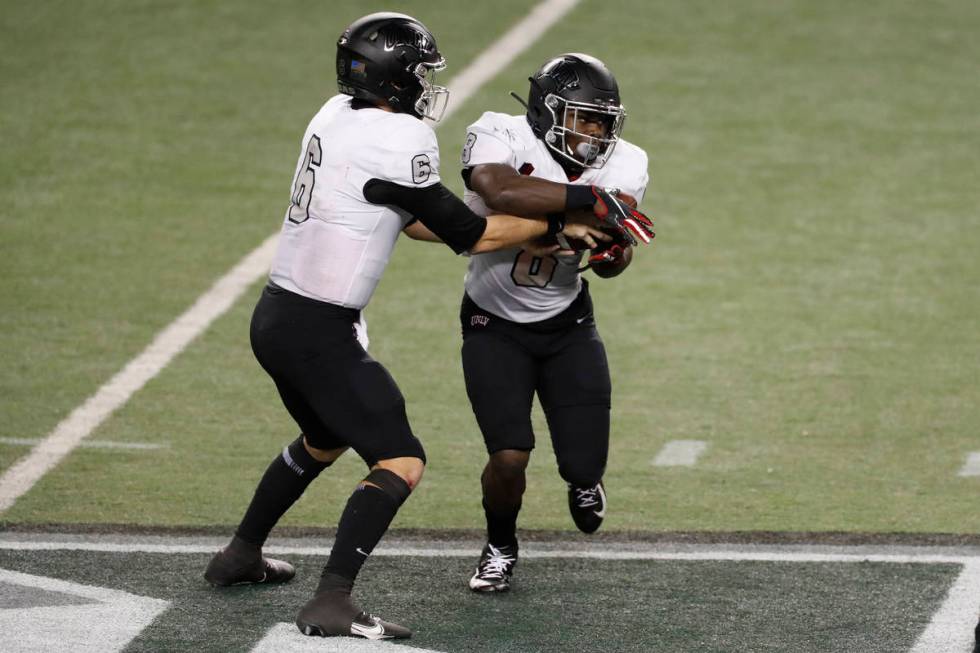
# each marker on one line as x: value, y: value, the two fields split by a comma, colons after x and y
x: 527, y: 320
x: 368, y: 170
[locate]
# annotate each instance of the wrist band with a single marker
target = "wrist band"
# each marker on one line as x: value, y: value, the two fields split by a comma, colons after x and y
x: 578, y: 196
x: 556, y: 222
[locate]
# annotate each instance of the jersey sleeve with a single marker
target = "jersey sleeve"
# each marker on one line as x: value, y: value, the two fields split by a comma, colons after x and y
x: 641, y: 187
x: 436, y: 207
x: 488, y: 141
x: 407, y: 155
x: 629, y: 172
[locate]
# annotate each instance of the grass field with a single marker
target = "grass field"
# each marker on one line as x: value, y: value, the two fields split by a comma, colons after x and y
x: 809, y: 310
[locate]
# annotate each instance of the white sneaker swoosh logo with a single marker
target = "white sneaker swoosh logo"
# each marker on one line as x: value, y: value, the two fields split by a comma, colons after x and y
x: 601, y: 513
x: 377, y: 631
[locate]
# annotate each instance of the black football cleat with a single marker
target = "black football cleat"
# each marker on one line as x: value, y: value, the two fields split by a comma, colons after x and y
x: 241, y: 563
x: 588, y: 506
x: 495, y: 569
x: 333, y: 613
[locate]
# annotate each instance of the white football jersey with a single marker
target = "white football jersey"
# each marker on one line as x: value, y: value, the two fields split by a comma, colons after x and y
x: 511, y: 283
x: 334, y: 244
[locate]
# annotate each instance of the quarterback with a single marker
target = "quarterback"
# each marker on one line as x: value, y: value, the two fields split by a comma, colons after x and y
x: 368, y: 169
x: 527, y: 320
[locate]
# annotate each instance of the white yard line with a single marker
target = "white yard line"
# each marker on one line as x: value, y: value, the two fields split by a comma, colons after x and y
x: 67, y: 435
x: 680, y: 453
x: 951, y: 627
x: 107, y: 623
x: 731, y: 553
x: 95, y: 444
x: 972, y: 465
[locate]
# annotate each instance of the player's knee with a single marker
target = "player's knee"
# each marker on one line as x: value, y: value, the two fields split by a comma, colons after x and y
x: 407, y: 468
x: 582, y: 471
x: 509, y: 464
x: 388, y: 482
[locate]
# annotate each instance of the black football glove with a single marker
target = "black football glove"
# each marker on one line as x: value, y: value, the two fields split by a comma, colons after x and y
x: 627, y: 221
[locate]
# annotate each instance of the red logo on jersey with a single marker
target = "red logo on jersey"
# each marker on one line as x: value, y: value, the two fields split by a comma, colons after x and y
x: 526, y: 169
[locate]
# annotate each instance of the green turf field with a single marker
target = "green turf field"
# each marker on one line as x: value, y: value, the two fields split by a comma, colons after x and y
x: 809, y: 310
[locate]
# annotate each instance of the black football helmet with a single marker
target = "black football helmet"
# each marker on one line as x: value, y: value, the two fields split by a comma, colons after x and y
x: 392, y: 57
x: 566, y: 89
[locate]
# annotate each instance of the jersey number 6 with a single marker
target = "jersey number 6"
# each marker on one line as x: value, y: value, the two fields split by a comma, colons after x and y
x: 299, y: 209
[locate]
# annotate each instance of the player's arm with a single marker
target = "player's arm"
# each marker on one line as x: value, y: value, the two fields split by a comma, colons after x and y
x: 506, y: 231
x: 504, y: 190
x: 446, y: 217
x: 418, y: 231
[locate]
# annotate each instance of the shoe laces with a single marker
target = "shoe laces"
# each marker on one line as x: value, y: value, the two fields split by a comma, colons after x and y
x: 496, y: 562
x: 586, y: 497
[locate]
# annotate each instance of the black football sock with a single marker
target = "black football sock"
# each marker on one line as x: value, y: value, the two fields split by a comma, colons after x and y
x: 282, y: 484
x: 501, y: 526
x: 366, y: 517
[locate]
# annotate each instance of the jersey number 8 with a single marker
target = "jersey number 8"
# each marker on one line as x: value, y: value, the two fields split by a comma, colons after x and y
x: 534, y: 271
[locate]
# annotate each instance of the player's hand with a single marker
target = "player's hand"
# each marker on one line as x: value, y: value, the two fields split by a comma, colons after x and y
x: 612, y: 254
x: 542, y: 247
x: 583, y: 216
x: 581, y: 236
x: 627, y: 221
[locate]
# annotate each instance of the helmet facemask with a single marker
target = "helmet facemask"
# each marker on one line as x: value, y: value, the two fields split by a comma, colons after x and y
x: 589, y: 150
x: 433, y: 100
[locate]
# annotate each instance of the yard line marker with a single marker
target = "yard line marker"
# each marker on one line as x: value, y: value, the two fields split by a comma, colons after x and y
x: 680, y: 453
x: 715, y: 553
x: 106, y: 622
x: 972, y: 466
x: 67, y: 435
x: 95, y: 444
x: 946, y: 631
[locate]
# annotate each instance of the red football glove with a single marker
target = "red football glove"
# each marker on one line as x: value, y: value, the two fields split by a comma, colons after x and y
x: 610, y: 254
x: 627, y: 221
